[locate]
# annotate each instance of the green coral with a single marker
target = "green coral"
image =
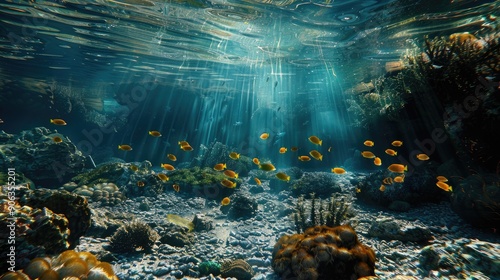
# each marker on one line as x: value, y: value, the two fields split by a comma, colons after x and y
x: 196, y: 176
x: 105, y: 173
x: 210, y: 267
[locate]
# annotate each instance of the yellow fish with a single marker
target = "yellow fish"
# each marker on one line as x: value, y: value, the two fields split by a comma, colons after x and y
x: 234, y: 155
x: 183, y: 143
x: 391, y: 152
x: 442, y: 179
x: 230, y: 173
x: 125, y: 147
x: 172, y: 157
x: 163, y: 177
x: 338, y: 170
x: 282, y: 176
x: 397, y: 168
x: 304, y: 158
x: 397, y: 143
x: 264, y: 136
x: 369, y: 143
x: 228, y: 183
x: 399, y: 179
x: 225, y: 201
x: 315, y: 140
x: 257, y: 181
x: 387, y: 181
x: 316, y: 155
x: 187, y: 148
x: 220, y: 166
x: 176, y: 187
x: 256, y: 161
x: 58, y: 122
x: 267, y: 166
x: 444, y: 186
x: 283, y: 150
x: 154, y: 133
x: 377, y: 161
x: 382, y: 188
x: 57, y: 139
x: 423, y: 157
x: 367, y: 154
x: 167, y: 166
x: 134, y: 167
x: 294, y: 149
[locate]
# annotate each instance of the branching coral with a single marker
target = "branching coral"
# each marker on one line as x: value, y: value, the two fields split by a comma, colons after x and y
x: 133, y: 237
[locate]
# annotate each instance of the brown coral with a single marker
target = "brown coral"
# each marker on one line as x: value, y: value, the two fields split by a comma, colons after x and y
x: 323, y: 252
x: 238, y: 269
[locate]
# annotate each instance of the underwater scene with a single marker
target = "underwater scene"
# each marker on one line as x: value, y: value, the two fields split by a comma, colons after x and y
x: 256, y: 139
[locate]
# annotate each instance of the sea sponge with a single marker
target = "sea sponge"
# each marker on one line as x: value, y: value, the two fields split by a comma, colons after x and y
x: 133, y: 237
x: 323, y: 252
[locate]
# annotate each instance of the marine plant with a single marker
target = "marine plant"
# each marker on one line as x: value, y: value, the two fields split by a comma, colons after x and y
x: 180, y: 221
x: 209, y: 267
x: 334, y: 213
x: 132, y: 237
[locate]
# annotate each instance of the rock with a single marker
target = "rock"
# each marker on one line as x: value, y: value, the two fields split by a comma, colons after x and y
x: 323, y: 184
x: 243, y: 205
x: 389, y: 229
x: 201, y: 222
x: 399, y: 206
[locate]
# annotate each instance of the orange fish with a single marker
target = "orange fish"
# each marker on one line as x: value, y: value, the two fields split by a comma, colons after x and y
x: 163, y: 177
x: 377, y: 161
x: 230, y: 173
x: 367, y: 154
x: 140, y: 184
x: 397, y: 168
x: 256, y: 161
x: 294, y: 149
x: 134, y: 167
x: 264, y: 136
x: 338, y: 170
x: 228, y: 183
x: 391, y: 152
x: 397, y: 143
x: 282, y: 176
x: 358, y: 190
x: 369, y: 143
x: 316, y: 155
x: 167, y: 166
x: 125, y: 147
x: 183, y: 143
x: 154, y: 133
x: 234, y: 155
x: 304, y: 158
x: 220, y: 166
x: 442, y: 178
x: 444, y: 186
x: 315, y: 140
x: 387, y: 181
x: 399, y: 179
x: 57, y: 139
x: 225, y: 201
x: 283, y: 150
x: 382, y: 188
x: 257, y: 181
x: 423, y: 157
x: 187, y: 148
x: 176, y: 187
x: 58, y: 122
x: 172, y: 157
x: 267, y: 166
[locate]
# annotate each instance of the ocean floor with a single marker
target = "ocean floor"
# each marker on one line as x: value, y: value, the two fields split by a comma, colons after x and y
x: 457, y: 250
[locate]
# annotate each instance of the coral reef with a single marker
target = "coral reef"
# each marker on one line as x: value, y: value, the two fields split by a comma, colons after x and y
x: 67, y: 265
x: 333, y: 214
x: 389, y: 229
x: 132, y: 237
x: 321, y: 183
x: 38, y: 157
x: 105, y: 193
x: 216, y: 153
x: 323, y: 252
x: 238, y: 269
x: 201, y: 181
x: 243, y: 205
x: 175, y: 235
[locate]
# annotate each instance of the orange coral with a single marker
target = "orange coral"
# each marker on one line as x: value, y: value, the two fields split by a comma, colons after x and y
x: 323, y: 252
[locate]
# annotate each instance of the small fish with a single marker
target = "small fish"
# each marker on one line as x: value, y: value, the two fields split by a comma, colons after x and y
x: 264, y: 136
x: 367, y: 154
x: 444, y: 186
x: 267, y: 80
x: 230, y: 173
x: 257, y: 181
x: 172, y: 157
x: 315, y: 140
x: 58, y: 122
x: 228, y: 183
x: 237, y: 123
x: 294, y: 149
x: 316, y: 155
x: 125, y: 147
x: 391, y: 152
x: 1, y: 121
x: 220, y: 166
x: 382, y: 188
x: 282, y: 176
x: 442, y: 179
x: 388, y: 181
x: 369, y: 143
x: 176, y: 187
x: 377, y: 161
x: 167, y: 166
x: 256, y: 161
x: 283, y: 150
x: 304, y: 158
x: 397, y: 143
x: 57, y: 139
x: 358, y: 190
x: 187, y: 148
x: 423, y: 157
x: 397, y: 168
x: 183, y: 143
x: 134, y: 167
x: 399, y: 179
x: 338, y: 170
x: 163, y: 177
x: 275, y: 84
x: 140, y: 184
x: 267, y: 166
x: 225, y: 201
x: 154, y: 133
x: 329, y: 149
x: 234, y: 155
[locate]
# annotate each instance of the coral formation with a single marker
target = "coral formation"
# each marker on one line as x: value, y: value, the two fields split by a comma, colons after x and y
x: 321, y: 183
x: 105, y: 193
x: 323, y: 252
x: 238, y: 269
x: 207, y: 268
x: 333, y: 214
x: 202, y: 181
x: 38, y: 157
x: 389, y: 229
x: 216, y: 153
x: 243, y: 205
x: 177, y: 236
x: 132, y: 237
